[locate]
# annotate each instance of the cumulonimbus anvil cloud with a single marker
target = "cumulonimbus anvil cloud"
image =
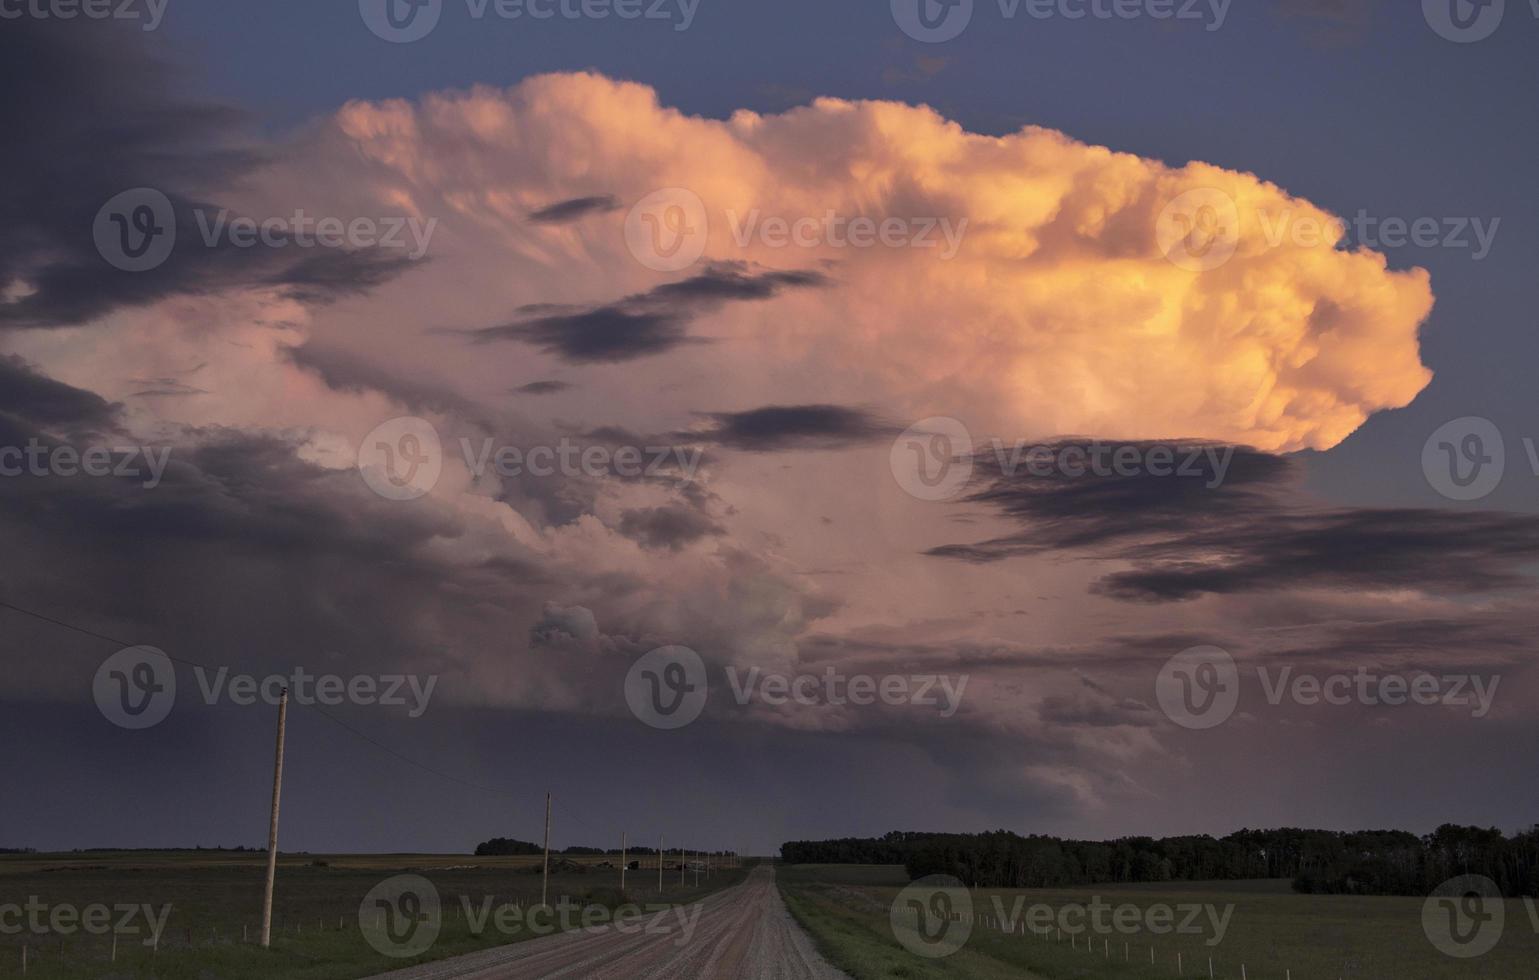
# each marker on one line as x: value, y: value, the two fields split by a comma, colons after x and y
x: 1060, y: 312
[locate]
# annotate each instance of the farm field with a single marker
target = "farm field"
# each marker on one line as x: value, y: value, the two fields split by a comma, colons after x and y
x: 1270, y: 933
x: 215, y: 898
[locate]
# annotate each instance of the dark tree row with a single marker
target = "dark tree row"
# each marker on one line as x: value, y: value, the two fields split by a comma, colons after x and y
x: 499, y: 846
x: 502, y: 846
x: 1318, y: 861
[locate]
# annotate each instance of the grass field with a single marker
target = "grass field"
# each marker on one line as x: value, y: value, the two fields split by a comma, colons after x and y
x: 1271, y: 933
x: 214, y: 896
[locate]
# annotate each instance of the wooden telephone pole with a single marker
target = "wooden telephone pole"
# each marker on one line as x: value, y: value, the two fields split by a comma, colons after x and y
x: 622, y: 860
x: 545, y: 875
x: 272, y: 826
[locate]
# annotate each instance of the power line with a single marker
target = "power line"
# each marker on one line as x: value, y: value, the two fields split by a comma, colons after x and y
x: 88, y: 632
x: 381, y: 746
x: 316, y: 708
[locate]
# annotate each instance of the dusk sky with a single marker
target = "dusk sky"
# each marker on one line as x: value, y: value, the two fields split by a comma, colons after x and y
x: 738, y: 328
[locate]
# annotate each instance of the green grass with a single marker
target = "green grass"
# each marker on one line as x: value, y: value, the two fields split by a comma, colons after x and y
x: 1272, y: 932
x: 316, y: 935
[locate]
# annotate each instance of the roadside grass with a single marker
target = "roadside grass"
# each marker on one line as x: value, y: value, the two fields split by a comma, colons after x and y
x: 1272, y: 933
x: 852, y: 942
x: 316, y: 932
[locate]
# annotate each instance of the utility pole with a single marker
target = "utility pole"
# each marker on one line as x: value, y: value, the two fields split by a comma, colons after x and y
x: 683, y: 864
x: 545, y: 875
x: 272, y: 825
x: 622, y: 860
x: 659, y: 864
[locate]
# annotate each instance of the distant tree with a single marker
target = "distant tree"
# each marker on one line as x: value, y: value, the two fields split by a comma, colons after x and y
x: 1370, y: 862
x: 504, y: 846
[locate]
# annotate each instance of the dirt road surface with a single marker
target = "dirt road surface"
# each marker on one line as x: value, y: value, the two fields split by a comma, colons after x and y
x: 743, y: 933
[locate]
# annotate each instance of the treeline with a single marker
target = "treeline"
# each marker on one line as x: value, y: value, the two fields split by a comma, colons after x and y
x: 499, y: 846
x: 504, y: 846
x: 1318, y: 861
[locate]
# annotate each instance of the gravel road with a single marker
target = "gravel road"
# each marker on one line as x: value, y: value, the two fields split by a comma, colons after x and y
x: 743, y: 933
